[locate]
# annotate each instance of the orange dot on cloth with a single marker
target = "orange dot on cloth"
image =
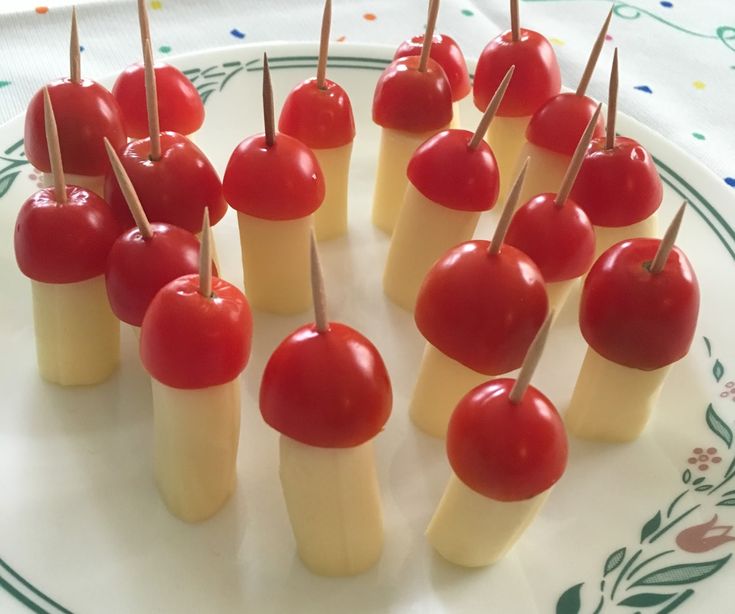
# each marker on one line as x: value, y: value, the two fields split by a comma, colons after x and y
x: 370, y: 16
x: 699, y: 85
x: 342, y: 39
x: 41, y: 10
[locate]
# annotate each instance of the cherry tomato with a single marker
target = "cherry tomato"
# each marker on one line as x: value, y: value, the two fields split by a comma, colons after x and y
x: 618, y: 186
x: 330, y: 389
x: 410, y: 100
x: 319, y: 118
x: 138, y: 268
x: 633, y: 317
x: 447, y: 171
x: 180, y: 107
x: 503, y: 450
x: 560, y: 240
x: 62, y: 244
x: 278, y: 182
x: 560, y: 123
x: 536, y: 77
x: 192, y: 341
x: 85, y: 113
x: 446, y: 52
x: 174, y: 189
x: 482, y: 310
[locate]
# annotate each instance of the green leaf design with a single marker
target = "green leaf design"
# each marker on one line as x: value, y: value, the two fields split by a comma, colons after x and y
x: 697, y: 481
x: 718, y: 426
x: 718, y: 370
x: 570, y: 601
x: 614, y: 560
x: 686, y: 573
x: 686, y: 476
x: 703, y: 488
x: 727, y: 502
x: 7, y: 181
x: 646, y: 600
x: 651, y: 526
x: 730, y: 469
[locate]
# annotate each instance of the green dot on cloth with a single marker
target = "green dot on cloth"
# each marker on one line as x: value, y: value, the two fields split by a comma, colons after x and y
x: 467, y: 12
x: 164, y: 49
x: 698, y: 135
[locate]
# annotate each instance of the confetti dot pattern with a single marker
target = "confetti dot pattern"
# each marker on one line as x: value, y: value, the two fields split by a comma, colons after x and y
x: 644, y: 88
x: 369, y: 16
x: 467, y: 12
x: 698, y: 135
x: 730, y: 181
x: 698, y: 85
x: 41, y: 10
x: 237, y: 34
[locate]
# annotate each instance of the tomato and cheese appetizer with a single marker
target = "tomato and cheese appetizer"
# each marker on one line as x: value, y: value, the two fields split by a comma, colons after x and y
x: 63, y: 235
x: 638, y: 314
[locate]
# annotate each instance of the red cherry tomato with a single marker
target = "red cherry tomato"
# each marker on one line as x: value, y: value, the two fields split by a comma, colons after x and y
x: 180, y: 107
x: 278, y: 182
x: 482, y: 310
x: 138, y: 268
x: 62, y: 244
x: 446, y: 52
x: 536, y: 77
x: 319, y: 118
x: 618, y: 186
x: 447, y: 171
x: 85, y: 113
x: 191, y: 341
x: 413, y: 101
x: 560, y: 123
x: 560, y: 240
x: 330, y: 390
x: 174, y: 189
x: 503, y: 450
x: 633, y: 317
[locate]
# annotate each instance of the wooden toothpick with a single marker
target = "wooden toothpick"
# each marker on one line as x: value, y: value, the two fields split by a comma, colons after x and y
x: 510, y: 205
x: 321, y: 69
x: 54, y: 149
x: 151, y: 101
x: 612, y: 103
x: 205, y: 257
x: 128, y: 191
x: 573, y: 169
x: 269, y: 115
x: 428, y: 34
x: 75, y: 61
x: 145, y: 26
x: 492, y: 108
x: 594, y: 54
x: 530, y: 362
x: 667, y: 243
x: 317, y: 288
x: 515, y: 25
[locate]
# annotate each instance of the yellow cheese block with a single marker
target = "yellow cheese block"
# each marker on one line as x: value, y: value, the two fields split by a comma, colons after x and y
x: 558, y: 293
x: 330, y: 219
x: 94, y: 183
x: 506, y: 136
x: 545, y: 171
x: 606, y: 237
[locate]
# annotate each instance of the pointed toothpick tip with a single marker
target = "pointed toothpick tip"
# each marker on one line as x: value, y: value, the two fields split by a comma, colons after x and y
x: 530, y: 362
x: 321, y: 69
x: 612, y: 103
x: 428, y: 34
x: 151, y: 101
x: 567, y: 183
x: 205, y: 257
x: 54, y: 149
x: 510, y: 204
x: 317, y: 288
x: 492, y: 109
x: 594, y: 55
x: 269, y: 116
x: 667, y: 243
x: 75, y: 61
x: 515, y: 22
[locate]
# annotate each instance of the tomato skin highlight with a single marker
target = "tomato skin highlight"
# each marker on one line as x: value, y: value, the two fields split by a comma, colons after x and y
x: 282, y: 181
x: 191, y: 341
x: 558, y: 125
x: 619, y: 186
x: 412, y: 101
x: 180, y: 108
x: 330, y: 390
x: 447, y: 171
x: 446, y: 52
x: 536, y: 77
x: 503, y: 450
x: 64, y: 243
x: 319, y: 118
x: 138, y: 268
x: 85, y: 113
x: 560, y: 240
x: 633, y: 317
x: 482, y: 310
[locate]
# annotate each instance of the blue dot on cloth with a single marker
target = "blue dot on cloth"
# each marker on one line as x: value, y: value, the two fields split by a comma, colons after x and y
x: 236, y: 33
x: 81, y: 47
x: 666, y: 4
x: 730, y: 181
x: 644, y: 88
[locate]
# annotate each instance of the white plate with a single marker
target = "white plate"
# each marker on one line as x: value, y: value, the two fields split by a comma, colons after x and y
x: 82, y: 528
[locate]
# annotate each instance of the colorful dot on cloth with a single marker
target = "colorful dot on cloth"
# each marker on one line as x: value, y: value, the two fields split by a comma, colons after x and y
x: 467, y: 12
x: 81, y: 48
x: 41, y: 10
x: 557, y: 41
x: 369, y: 16
x: 698, y: 135
x: 608, y: 37
x: 666, y: 4
x: 236, y: 33
x: 4, y: 83
x: 730, y: 181
x: 342, y: 39
x: 165, y: 49
x: 698, y: 85
x: 644, y: 88
x: 156, y: 5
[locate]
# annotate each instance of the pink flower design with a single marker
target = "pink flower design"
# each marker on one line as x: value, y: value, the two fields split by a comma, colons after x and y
x: 702, y: 458
x: 704, y: 537
x: 728, y: 390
